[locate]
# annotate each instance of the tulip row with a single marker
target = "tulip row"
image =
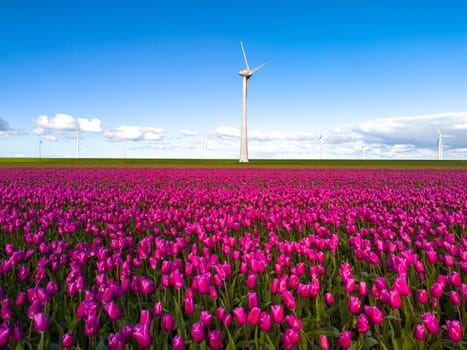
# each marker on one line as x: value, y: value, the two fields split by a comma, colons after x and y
x: 232, y: 258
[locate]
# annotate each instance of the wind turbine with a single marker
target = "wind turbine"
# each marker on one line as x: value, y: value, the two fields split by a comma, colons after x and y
x: 321, y: 140
x: 40, y: 148
x: 77, y: 143
x: 246, y: 73
x: 364, y: 148
x: 441, y: 144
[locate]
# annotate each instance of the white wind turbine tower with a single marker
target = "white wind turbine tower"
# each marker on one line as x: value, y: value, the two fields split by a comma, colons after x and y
x: 441, y: 144
x: 321, y: 140
x: 246, y: 73
x: 40, y: 148
x: 77, y: 143
x: 364, y: 148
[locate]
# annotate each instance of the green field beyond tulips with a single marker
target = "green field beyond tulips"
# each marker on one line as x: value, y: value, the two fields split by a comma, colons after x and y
x: 184, y: 254
x: 316, y: 163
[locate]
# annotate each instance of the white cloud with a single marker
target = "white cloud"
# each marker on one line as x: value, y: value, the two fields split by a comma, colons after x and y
x: 416, y: 130
x: 6, y: 130
x: 87, y: 125
x: 189, y: 133
x: 135, y: 133
x: 50, y: 138
x: 59, y: 122
x: 226, y: 132
x: 65, y: 122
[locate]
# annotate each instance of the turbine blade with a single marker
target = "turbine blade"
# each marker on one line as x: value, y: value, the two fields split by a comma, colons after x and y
x: 257, y: 68
x: 244, y: 56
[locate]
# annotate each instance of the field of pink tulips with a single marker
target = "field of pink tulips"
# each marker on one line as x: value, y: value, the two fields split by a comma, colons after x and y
x: 110, y: 258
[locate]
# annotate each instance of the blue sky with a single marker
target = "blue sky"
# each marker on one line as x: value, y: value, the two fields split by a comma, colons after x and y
x: 160, y: 79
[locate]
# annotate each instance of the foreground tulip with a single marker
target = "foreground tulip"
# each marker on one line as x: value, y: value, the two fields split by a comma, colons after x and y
x: 168, y: 323
x: 323, y: 342
x: 355, y: 305
x: 431, y: 323
x: 422, y: 296
x: 454, y: 330
x: 253, y: 316
x: 419, y: 332
x: 67, y: 340
x: 91, y: 326
x: 362, y: 325
x: 265, y: 321
x: 115, y: 342
x: 329, y: 298
x: 345, y: 340
x: 240, y: 315
x: 178, y: 343
x: 215, y: 339
x: 197, y: 332
x: 142, y: 336
x: 289, y: 300
x: 277, y: 312
x: 113, y: 311
x: 41, y: 322
x: 5, y: 332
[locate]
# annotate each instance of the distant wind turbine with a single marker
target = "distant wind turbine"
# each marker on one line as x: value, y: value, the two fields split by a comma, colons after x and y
x: 40, y: 148
x: 77, y: 143
x: 246, y: 73
x: 364, y: 148
x: 440, y: 143
x: 321, y: 140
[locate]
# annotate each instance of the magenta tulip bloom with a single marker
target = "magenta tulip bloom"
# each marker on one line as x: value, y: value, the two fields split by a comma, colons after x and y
x: 324, y: 342
x: 115, y: 342
x: 5, y: 333
x: 220, y: 313
x: 265, y: 321
x: 362, y: 288
x: 197, y: 332
x: 329, y: 298
x: 401, y: 285
x: 142, y: 336
x: 91, y: 325
x: 178, y: 343
x: 126, y: 333
x: 294, y: 322
x: 374, y: 314
x: 189, y: 306
x: 252, y: 300
x: 362, y: 325
x: 113, y: 311
x: 158, y: 310
x: 240, y: 315
x: 145, y: 317
x: 206, y: 318
x: 455, y: 297
x: 251, y: 281
x: 168, y: 323
x: 395, y: 299
x: 253, y: 316
x: 422, y: 296
x: 431, y: 323
x: 436, y: 290
x: 355, y: 305
x: 176, y: 278
x: 215, y: 339
x: 41, y: 322
x: 345, y: 340
x: 454, y: 330
x: 289, y: 300
x: 67, y: 340
x: 419, y: 332
x: 277, y: 312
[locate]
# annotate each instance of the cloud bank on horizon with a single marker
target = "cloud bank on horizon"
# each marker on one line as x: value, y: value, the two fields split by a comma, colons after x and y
x: 401, y: 137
